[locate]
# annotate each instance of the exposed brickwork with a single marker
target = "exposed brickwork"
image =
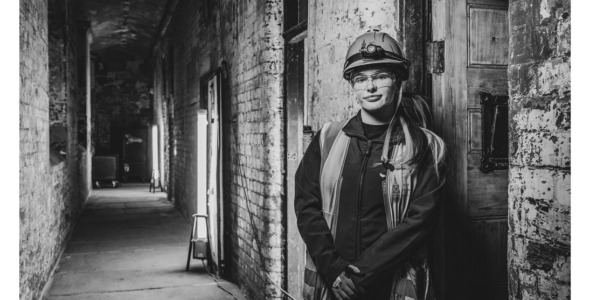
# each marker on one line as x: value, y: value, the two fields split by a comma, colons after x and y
x: 330, y: 95
x: 247, y: 36
x: 34, y: 145
x: 539, y: 190
x: 50, y: 195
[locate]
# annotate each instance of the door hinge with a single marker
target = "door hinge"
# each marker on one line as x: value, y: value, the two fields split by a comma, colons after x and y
x: 436, y: 57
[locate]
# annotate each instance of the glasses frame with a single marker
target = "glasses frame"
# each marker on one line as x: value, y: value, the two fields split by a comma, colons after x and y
x: 371, y: 79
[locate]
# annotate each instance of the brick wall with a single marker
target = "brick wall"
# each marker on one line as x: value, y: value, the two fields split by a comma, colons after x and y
x: 50, y: 194
x: 539, y: 190
x: 257, y: 116
x: 34, y: 144
x: 246, y: 35
x: 330, y: 95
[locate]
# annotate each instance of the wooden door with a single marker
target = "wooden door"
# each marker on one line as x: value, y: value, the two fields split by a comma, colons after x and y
x: 135, y: 154
x: 475, y: 37
x: 294, y: 94
x: 214, y: 160
x: 296, y: 132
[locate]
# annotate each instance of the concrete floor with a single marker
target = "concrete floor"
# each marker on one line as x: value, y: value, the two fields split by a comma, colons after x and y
x: 132, y: 244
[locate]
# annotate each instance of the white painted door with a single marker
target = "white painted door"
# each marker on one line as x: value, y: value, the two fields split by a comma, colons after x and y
x: 214, y: 193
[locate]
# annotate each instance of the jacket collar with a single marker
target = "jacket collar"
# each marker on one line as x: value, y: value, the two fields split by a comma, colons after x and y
x: 354, y: 128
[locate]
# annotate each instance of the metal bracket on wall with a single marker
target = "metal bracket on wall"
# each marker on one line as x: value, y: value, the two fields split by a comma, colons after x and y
x: 494, y: 125
x: 435, y: 62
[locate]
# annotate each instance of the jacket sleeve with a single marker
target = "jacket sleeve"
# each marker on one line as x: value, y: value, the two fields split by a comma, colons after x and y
x: 398, y: 245
x: 310, y: 220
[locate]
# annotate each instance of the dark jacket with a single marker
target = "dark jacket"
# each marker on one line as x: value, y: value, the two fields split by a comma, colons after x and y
x: 363, y: 239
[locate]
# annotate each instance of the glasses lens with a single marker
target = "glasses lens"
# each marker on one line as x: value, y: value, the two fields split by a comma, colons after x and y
x: 360, y: 82
x: 379, y: 80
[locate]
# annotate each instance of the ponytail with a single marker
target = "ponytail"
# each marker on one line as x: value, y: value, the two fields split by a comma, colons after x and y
x: 416, y: 123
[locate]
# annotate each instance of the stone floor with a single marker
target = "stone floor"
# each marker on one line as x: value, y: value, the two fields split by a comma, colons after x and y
x: 132, y: 244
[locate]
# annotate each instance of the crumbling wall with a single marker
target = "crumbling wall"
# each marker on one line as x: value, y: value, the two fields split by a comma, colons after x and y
x: 539, y: 188
x: 49, y: 191
x: 245, y: 38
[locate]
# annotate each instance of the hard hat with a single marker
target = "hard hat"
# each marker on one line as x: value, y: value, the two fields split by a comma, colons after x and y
x: 376, y: 48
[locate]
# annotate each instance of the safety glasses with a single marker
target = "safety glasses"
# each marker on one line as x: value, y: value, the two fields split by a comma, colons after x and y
x: 379, y: 80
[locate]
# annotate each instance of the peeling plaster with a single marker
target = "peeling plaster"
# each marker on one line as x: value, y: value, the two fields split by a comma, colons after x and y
x: 545, y: 10
x: 554, y: 75
x: 539, y: 192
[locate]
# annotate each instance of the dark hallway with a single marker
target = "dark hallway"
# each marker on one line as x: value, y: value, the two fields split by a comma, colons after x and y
x: 132, y: 244
x: 213, y: 104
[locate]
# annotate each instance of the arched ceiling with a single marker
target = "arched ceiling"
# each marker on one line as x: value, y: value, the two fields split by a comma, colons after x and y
x: 124, y: 26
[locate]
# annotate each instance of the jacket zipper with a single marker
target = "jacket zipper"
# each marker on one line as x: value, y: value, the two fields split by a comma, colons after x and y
x: 359, y: 196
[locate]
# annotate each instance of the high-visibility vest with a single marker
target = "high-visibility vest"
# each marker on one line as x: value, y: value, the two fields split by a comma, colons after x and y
x: 398, y: 187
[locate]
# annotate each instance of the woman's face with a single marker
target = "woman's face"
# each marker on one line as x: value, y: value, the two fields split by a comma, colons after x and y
x: 375, y: 90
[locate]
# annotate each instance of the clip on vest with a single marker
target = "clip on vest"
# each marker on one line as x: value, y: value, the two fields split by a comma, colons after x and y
x: 387, y: 165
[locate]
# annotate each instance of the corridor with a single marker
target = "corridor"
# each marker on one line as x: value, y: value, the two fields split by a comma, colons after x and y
x: 132, y: 244
x: 217, y: 103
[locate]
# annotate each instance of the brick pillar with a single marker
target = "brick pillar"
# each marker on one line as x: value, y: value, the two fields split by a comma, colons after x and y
x: 539, y: 188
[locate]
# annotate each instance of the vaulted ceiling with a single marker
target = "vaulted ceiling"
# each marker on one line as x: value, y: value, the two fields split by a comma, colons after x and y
x: 128, y: 26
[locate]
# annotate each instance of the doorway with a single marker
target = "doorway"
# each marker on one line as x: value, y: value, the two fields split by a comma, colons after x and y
x: 470, y: 38
x: 297, y: 134
x: 130, y: 145
x: 211, y: 164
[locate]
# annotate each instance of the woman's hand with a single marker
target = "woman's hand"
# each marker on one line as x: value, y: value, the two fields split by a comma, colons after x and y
x: 343, y: 287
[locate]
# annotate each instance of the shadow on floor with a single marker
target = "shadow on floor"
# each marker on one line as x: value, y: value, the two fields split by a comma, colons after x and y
x: 132, y: 244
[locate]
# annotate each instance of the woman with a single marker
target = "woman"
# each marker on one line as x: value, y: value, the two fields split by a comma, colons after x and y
x: 367, y: 189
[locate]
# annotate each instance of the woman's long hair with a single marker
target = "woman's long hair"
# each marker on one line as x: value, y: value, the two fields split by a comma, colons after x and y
x: 416, y: 122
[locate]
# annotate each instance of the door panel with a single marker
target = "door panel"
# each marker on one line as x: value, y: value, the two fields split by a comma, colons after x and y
x: 214, y: 160
x: 474, y: 142
x: 488, y: 35
x: 488, y: 45
x: 294, y: 94
x: 135, y: 154
x: 475, y: 33
x: 488, y: 194
x: 488, y: 80
x: 488, y: 265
